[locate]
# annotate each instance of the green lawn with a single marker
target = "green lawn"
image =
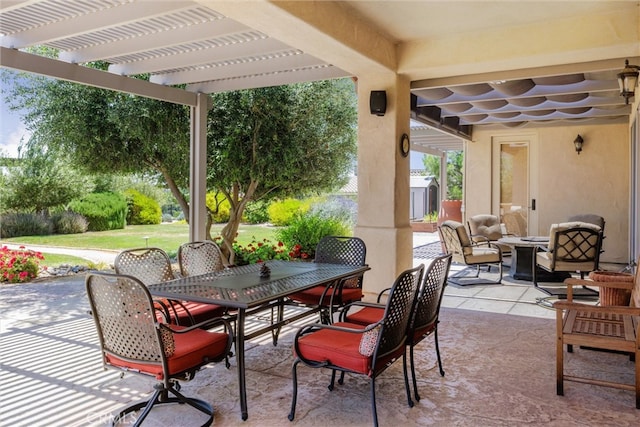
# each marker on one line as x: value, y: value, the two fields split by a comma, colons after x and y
x: 165, y: 236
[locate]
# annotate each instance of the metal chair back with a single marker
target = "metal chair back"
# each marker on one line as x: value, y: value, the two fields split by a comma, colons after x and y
x: 197, y: 258
x: 125, y: 318
x: 576, y: 245
x: 431, y: 292
x: 398, y: 311
x: 149, y: 265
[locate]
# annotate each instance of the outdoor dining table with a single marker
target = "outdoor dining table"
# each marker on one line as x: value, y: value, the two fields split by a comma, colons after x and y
x: 244, y: 289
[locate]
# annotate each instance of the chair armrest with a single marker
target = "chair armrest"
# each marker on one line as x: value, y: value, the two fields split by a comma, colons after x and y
x: 207, y: 324
x: 479, y: 240
x: 584, y: 282
x: 611, y: 309
x: 343, y: 311
x: 384, y: 291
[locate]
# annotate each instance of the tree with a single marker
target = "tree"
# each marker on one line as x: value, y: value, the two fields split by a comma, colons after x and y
x: 104, y: 131
x: 41, y: 182
x: 262, y: 143
x: 280, y: 141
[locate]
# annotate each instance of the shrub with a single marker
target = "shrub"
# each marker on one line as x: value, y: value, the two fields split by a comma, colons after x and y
x: 259, y: 252
x: 19, y: 265
x: 256, y: 212
x: 103, y: 211
x: 305, y: 232
x: 167, y: 218
x: 24, y: 224
x: 341, y: 208
x: 142, y: 210
x: 69, y: 223
x: 219, y: 207
x: 281, y: 213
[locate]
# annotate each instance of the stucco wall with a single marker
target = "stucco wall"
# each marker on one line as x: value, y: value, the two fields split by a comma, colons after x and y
x: 596, y: 181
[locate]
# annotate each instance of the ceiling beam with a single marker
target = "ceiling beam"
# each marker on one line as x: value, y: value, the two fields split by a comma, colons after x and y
x: 269, y: 79
x: 91, y: 21
x: 22, y: 61
x: 525, y: 73
x: 268, y: 64
x: 154, y: 40
x: 196, y: 58
x: 329, y: 30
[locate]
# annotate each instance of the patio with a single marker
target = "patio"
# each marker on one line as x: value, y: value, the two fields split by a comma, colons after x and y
x: 498, y: 351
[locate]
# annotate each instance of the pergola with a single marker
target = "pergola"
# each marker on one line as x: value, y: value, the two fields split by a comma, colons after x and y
x: 451, y: 66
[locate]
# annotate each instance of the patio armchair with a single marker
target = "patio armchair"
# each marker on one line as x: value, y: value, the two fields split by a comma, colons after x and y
x: 457, y: 242
x: 132, y: 340
x: 591, y: 219
x: 610, y: 328
x: 574, y: 247
x: 424, y: 319
x: 152, y: 265
x: 327, y: 299
x: 515, y: 223
x: 202, y: 257
x: 353, y: 348
x: 487, y: 228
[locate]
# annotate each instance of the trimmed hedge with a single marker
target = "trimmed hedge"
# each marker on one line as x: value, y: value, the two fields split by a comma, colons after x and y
x: 142, y: 210
x: 103, y: 211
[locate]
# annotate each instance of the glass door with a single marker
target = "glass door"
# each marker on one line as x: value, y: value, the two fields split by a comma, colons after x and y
x: 512, y: 199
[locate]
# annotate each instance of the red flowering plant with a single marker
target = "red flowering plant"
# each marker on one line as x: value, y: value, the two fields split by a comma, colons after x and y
x: 255, y: 251
x: 297, y: 253
x: 19, y: 265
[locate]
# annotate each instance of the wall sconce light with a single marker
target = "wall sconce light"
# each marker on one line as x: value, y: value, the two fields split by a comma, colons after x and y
x: 628, y: 80
x: 578, y: 143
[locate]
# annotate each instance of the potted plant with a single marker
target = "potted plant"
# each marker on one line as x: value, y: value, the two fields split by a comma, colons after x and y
x: 428, y: 224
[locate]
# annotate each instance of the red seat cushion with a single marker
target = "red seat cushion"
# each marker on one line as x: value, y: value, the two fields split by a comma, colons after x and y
x: 419, y: 334
x: 192, y: 349
x: 337, y: 347
x: 312, y: 296
x: 366, y: 316
x: 199, y: 311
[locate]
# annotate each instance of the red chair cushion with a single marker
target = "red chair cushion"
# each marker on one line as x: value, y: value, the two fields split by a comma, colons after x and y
x: 421, y: 333
x: 193, y: 349
x: 312, y: 296
x: 366, y: 316
x: 199, y: 311
x: 337, y: 347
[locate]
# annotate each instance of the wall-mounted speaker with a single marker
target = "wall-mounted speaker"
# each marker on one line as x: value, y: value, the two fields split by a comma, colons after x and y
x: 378, y: 102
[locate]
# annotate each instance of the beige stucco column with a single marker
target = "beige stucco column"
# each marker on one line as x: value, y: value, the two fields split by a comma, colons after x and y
x: 383, y: 182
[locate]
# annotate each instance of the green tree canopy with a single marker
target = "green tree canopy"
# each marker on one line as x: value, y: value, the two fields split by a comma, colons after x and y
x: 280, y: 141
x: 262, y: 143
x: 40, y: 182
x: 102, y: 131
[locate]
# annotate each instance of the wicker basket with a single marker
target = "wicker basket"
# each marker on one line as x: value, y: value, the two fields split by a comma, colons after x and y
x: 612, y: 296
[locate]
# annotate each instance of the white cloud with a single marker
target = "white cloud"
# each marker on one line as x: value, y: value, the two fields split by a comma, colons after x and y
x: 9, y: 146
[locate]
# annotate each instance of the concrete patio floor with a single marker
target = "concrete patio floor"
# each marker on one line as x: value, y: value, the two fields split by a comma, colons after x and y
x: 497, y: 346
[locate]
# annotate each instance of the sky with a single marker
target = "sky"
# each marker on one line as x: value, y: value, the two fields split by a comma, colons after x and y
x: 11, y: 127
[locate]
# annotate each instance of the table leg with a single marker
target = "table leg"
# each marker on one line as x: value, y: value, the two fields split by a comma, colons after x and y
x: 242, y: 385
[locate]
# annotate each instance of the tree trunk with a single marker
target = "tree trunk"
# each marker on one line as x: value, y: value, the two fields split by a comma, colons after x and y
x: 175, y: 191
x: 237, y: 206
